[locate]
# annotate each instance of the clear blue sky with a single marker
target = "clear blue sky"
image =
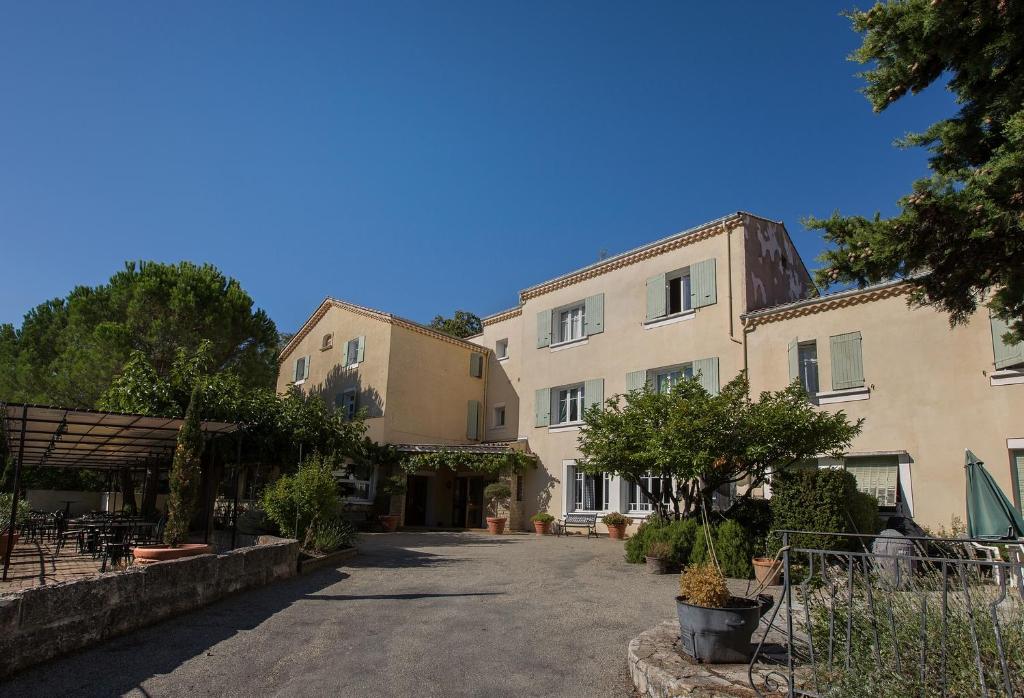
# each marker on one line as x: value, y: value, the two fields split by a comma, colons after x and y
x: 425, y: 156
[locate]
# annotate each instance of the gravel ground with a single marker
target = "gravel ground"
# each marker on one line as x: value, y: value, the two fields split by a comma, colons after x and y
x: 415, y: 614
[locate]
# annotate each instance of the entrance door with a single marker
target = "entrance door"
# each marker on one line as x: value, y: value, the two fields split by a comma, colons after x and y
x: 468, y: 507
x: 416, y: 500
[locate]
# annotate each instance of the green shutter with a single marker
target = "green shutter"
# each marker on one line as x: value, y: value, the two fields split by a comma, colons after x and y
x: 656, y: 297
x: 542, y: 407
x: 593, y: 314
x: 593, y: 392
x: 794, y: 360
x: 877, y: 476
x: 360, y: 348
x: 707, y: 372
x: 476, y: 365
x: 473, y: 420
x: 1006, y: 355
x: 847, y: 361
x: 1018, y: 458
x: 635, y: 380
x: 543, y: 328
x: 703, y: 289
x: 305, y: 369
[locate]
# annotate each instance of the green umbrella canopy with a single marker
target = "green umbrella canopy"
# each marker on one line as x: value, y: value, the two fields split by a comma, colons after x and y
x: 989, y: 513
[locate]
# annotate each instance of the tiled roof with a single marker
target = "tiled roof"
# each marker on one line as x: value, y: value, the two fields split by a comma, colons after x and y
x: 830, y: 301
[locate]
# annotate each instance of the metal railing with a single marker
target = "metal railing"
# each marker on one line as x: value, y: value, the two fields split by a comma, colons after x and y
x: 915, y: 616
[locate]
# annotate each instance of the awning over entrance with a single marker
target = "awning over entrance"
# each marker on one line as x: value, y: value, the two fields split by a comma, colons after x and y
x: 77, y: 438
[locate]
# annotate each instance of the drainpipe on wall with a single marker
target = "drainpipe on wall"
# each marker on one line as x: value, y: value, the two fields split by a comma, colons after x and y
x: 728, y: 273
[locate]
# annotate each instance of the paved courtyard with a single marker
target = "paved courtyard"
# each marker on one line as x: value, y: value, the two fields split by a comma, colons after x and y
x: 415, y: 614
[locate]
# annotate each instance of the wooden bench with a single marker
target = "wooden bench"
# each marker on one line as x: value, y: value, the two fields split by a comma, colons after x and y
x: 578, y: 520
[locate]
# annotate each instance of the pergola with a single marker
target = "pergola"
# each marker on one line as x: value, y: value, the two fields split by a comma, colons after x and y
x: 60, y: 437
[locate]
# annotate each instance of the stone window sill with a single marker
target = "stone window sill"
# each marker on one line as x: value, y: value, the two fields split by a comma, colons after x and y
x: 564, y: 426
x: 1007, y: 376
x: 570, y: 344
x: 670, y: 319
x: 849, y: 395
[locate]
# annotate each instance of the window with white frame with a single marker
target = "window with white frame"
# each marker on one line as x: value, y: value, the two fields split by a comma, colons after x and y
x: 355, y: 481
x: 499, y: 416
x: 568, y: 406
x: 658, y: 486
x: 877, y: 476
x: 591, y: 492
x: 501, y: 349
x: 807, y: 364
x: 664, y: 379
x: 570, y: 324
x: 346, y: 402
x: 677, y: 292
x: 351, y: 352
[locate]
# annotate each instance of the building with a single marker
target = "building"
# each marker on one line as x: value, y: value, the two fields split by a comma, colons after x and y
x: 724, y: 296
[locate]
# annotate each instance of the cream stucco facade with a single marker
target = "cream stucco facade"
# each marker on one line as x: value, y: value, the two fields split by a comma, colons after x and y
x: 724, y: 296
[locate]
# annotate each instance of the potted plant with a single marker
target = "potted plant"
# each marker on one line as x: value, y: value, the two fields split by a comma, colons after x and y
x: 616, y: 524
x: 391, y: 487
x: 657, y: 555
x: 542, y: 522
x: 186, y: 473
x: 497, y: 493
x: 10, y: 538
x: 767, y: 571
x: 715, y: 627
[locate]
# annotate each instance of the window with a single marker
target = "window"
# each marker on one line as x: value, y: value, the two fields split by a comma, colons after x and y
x: 499, y: 415
x: 346, y: 402
x: 301, y: 369
x: 591, y: 493
x: 677, y: 292
x: 351, y: 352
x: 1018, y: 466
x: 327, y: 342
x: 501, y: 349
x: 668, y: 378
x: 570, y: 324
x: 807, y: 364
x: 355, y: 481
x: 569, y: 407
x: 878, y: 476
x: 659, y: 487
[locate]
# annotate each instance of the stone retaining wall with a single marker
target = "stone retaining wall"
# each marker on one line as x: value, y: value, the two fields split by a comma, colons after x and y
x: 39, y: 623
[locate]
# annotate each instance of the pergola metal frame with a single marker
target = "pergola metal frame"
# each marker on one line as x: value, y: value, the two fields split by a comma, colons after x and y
x: 60, y: 437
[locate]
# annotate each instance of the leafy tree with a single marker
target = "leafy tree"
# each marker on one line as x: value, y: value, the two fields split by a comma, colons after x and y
x: 959, y: 235
x: 185, y: 476
x: 69, y: 350
x: 463, y: 324
x: 703, y: 442
x: 302, y: 502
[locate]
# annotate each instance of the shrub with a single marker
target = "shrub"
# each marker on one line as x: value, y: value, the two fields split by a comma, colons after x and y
x: 822, y: 499
x: 660, y: 549
x: 297, y: 502
x: 733, y: 549
x: 863, y: 511
x: 542, y: 517
x: 699, y: 554
x: 703, y: 585
x: 755, y: 516
x: 614, y: 519
x: 497, y: 493
x: 678, y: 534
x: 20, y: 517
x: 329, y: 536
x: 186, y: 473
x: 636, y: 545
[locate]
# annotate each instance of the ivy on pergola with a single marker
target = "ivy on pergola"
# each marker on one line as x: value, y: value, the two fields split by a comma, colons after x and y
x: 486, y: 463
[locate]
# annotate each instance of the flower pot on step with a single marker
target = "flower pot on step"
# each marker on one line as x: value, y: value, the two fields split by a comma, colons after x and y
x: 495, y: 525
x: 767, y: 570
x: 617, y: 531
x: 389, y: 522
x: 656, y: 565
x: 7, y: 540
x: 145, y: 554
x: 542, y: 527
x: 720, y: 635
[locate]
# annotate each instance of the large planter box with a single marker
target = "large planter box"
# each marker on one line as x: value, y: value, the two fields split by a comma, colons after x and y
x: 319, y: 562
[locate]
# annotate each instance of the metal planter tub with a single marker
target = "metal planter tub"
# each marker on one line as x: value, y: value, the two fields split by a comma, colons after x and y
x: 720, y: 635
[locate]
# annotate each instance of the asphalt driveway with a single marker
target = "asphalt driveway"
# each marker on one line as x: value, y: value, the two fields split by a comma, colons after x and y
x: 415, y: 614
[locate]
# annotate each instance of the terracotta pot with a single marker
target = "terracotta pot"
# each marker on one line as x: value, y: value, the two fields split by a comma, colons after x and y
x: 656, y: 565
x: 617, y: 532
x: 542, y: 527
x: 5, y: 540
x: 158, y: 553
x: 767, y: 570
x: 496, y: 526
x: 390, y: 522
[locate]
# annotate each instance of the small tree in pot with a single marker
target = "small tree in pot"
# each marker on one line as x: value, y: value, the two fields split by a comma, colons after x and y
x: 498, y: 494
x: 616, y: 524
x: 715, y: 627
x: 657, y: 556
x: 542, y: 522
x: 393, y: 486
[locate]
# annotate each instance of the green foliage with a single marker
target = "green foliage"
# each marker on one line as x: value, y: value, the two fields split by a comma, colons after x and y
x: 186, y: 473
x: 614, y: 519
x: 486, y: 463
x: 497, y: 493
x: 821, y: 499
x: 329, y: 536
x: 463, y: 324
x: 20, y: 517
x: 960, y: 233
x: 700, y: 554
x: 50, y: 478
x: 302, y: 501
x: 755, y: 516
x: 542, y: 517
x: 679, y: 534
x: 659, y: 549
x: 734, y: 550
x: 69, y: 350
x: 706, y: 441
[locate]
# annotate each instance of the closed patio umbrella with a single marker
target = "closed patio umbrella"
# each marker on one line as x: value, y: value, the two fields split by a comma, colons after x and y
x: 989, y: 513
